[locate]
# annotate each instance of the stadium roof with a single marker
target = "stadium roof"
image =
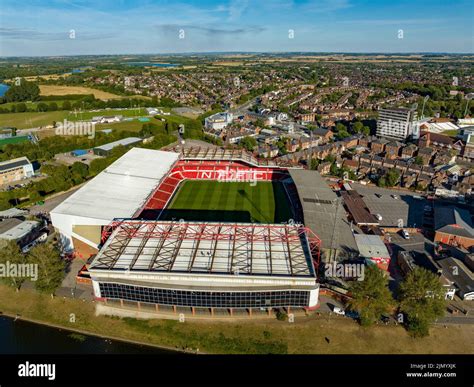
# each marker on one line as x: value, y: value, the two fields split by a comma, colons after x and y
x: 321, y: 207
x: 216, y: 153
x: 121, y: 189
x: 208, y: 248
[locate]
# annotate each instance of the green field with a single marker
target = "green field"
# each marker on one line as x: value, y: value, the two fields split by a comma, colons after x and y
x: 265, y: 202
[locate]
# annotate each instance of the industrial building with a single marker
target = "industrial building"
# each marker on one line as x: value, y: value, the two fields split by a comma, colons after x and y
x: 218, y: 121
x: 15, y: 170
x: 373, y: 250
x: 104, y: 150
x: 453, y: 226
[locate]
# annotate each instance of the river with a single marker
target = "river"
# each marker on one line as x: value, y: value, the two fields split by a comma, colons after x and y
x: 21, y: 337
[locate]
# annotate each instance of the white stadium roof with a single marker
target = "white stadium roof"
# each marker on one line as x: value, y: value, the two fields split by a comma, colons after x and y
x: 121, y: 189
x: 217, y: 248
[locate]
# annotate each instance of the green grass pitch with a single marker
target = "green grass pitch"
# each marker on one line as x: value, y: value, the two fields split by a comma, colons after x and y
x: 202, y: 200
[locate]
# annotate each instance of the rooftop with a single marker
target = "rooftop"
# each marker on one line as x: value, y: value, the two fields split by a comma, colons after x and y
x: 371, y: 246
x: 124, y: 141
x: 455, y: 271
x: 453, y: 220
x: 321, y: 207
x: 13, y: 163
x: 121, y: 189
x: 13, y: 229
x: 358, y: 209
x: 207, y: 248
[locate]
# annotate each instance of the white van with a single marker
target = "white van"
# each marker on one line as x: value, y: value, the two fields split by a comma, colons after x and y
x: 339, y: 311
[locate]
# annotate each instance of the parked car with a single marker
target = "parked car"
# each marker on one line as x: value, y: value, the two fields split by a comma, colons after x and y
x: 378, y: 216
x: 352, y: 314
x: 339, y: 311
x: 405, y: 234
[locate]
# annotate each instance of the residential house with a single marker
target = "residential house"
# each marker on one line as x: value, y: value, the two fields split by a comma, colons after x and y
x: 392, y: 149
x: 426, y: 154
x: 324, y: 168
x: 325, y: 134
x: 378, y: 146
x: 409, y: 151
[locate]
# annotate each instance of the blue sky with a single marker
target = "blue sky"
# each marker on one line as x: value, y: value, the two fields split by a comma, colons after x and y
x: 37, y: 27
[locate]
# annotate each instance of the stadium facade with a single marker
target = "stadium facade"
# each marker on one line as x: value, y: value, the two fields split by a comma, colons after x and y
x: 141, y: 259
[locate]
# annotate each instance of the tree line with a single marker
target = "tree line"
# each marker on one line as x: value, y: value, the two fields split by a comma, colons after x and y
x: 420, y: 301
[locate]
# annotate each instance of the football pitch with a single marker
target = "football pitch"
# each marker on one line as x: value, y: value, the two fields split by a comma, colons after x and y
x: 202, y: 200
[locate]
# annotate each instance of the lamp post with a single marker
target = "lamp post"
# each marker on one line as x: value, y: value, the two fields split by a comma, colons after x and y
x: 468, y: 99
x: 427, y: 97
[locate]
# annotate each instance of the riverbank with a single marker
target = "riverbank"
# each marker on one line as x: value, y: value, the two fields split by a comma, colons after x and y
x: 89, y: 334
x: 322, y: 334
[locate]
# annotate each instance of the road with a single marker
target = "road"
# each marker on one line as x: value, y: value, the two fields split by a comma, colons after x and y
x: 51, y: 203
x: 242, y: 109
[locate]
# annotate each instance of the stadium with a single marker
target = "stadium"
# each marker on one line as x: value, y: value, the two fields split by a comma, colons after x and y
x: 192, y: 230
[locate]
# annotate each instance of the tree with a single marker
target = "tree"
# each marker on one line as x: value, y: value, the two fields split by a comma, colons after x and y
x: 50, y: 267
x: 53, y: 106
x: 340, y: 127
x: 381, y: 182
x: 422, y: 300
x: 24, y: 91
x: 357, y: 127
x: 314, y: 163
x: 42, y: 107
x: 66, y: 105
x: 10, y: 254
x: 334, y: 170
x: 248, y: 143
x: 393, y: 177
x: 371, y: 297
x: 419, y: 160
x: 21, y: 107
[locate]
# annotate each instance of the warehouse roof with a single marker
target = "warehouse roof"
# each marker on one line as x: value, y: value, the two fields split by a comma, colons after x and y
x: 122, y: 188
x: 124, y: 141
x: 358, y: 209
x: 14, y: 229
x: 454, y: 220
x: 14, y: 163
x: 371, y: 246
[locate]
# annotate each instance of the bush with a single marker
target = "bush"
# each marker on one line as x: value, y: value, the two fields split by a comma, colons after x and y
x: 281, y: 316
